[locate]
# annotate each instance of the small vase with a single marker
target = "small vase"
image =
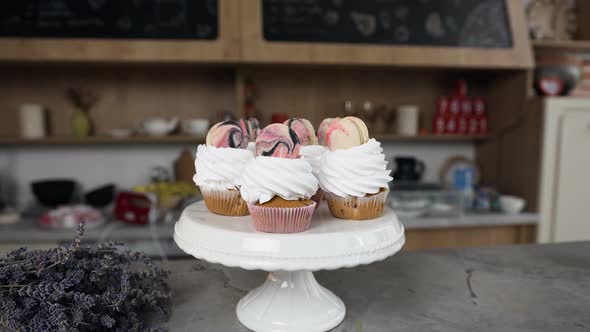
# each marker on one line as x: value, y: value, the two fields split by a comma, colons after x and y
x: 81, y: 123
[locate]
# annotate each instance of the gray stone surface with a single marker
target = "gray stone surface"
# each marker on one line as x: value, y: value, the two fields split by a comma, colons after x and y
x: 513, y: 288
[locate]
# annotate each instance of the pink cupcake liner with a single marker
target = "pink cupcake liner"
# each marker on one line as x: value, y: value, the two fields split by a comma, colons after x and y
x: 281, y: 220
x: 317, y: 198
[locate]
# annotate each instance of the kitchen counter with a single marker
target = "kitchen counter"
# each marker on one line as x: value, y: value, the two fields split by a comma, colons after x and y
x: 512, y: 288
x: 154, y: 240
x: 472, y: 220
x: 27, y: 231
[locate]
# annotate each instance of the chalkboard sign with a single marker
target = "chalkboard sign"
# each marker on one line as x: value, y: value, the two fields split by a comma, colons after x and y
x: 130, y: 19
x: 450, y: 23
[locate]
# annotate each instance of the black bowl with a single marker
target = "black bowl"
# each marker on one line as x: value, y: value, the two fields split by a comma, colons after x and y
x: 54, y: 192
x: 101, y: 196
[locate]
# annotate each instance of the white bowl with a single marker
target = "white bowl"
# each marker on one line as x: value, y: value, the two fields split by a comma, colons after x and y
x: 196, y: 127
x: 511, y: 204
x: 120, y: 132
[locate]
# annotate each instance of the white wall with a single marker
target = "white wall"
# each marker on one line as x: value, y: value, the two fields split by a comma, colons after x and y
x: 433, y: 154
x: 128, y: 166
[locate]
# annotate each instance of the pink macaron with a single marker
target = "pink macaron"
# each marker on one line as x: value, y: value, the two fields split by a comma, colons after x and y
x: 277, y: 140
x: 322, y: 130
x: 227, y: 134
x: 342, y: 134
x: 246, y: 127
x: 304, y: 130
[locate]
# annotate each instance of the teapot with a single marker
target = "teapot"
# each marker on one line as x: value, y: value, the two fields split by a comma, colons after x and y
x: 158, y: 126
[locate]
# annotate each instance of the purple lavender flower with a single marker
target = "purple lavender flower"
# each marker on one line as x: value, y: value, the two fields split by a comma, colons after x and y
x: 74, y: 288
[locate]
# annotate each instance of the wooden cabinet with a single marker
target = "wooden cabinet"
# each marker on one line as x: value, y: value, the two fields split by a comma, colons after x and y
x: 226, y: 48
x: 544, y: 156
x: 240, y: 39
x: 465, y: 237
x: 573, y: 189
x: 565, y: 188
x: 256, y: 49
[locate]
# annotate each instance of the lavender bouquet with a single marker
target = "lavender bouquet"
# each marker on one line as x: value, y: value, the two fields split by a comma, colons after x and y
x: 80, y: 288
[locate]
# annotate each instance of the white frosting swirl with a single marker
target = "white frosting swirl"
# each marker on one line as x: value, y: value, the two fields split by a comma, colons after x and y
x: 266, y: 177
x: 252, y: 147
x: 313, y: 155
x: 220, y: 168
x: 356, y: 171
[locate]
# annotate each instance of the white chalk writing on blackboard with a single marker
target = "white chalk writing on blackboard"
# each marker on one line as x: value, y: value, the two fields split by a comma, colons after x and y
x: 451, y: 23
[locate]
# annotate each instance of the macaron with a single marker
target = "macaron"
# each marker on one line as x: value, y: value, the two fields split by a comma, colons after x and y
x: 304, y: 130
x: 322, y: 130
x: 342, y: 134
x: 277, y: 140
x: 255, y: 124
x: 362, y: 128
x: 246, y: 128
x: 227, y: 134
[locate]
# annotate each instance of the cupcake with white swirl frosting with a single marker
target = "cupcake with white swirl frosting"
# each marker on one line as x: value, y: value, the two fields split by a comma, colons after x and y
x: 218, y: 168
x: 353, y: 173
x: 278, y: 184
x: 310, y: 151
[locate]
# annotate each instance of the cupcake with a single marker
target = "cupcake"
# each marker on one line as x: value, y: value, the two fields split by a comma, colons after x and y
x: 277, y: 184
x: 353, y: 173
x: 219, y: 165
x: 310, y: 151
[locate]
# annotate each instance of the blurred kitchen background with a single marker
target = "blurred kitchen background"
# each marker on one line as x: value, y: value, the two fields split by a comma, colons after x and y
x: 481, y: 106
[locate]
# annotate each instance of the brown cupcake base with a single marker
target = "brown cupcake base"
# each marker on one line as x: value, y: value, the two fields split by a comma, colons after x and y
x: 358, y: 208
x: 225, y: 202
x: 317, y: 198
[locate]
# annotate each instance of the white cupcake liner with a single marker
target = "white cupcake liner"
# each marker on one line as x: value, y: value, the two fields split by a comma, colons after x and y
x: 225, y: 202
x: 357, y: 208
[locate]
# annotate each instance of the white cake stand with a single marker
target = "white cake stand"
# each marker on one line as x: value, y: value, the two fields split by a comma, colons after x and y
x: 290, y: 299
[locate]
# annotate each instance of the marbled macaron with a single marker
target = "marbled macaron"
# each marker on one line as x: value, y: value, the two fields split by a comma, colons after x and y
x: 246, y: 128
x: 227, y: 134
x: 255, y: 124
x: 304, y: 130
x: 361, y: 127
x: 342, y: 134
x: 322, y: 130
x: 277, y: 140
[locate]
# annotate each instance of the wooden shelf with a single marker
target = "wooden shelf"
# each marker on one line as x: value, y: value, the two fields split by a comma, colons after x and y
x: 429, y: 138
x: 106, y: 140
x: 562, y: 45
x: 102, y: 140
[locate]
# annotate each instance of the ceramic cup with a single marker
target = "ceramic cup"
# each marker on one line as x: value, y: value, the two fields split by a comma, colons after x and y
x: 511, y: 204
x: 32, y: 121
x: 195, y: 127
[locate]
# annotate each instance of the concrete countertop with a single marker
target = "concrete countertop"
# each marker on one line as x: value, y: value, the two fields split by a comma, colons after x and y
x: 512, y: 288
x: 27, y: 231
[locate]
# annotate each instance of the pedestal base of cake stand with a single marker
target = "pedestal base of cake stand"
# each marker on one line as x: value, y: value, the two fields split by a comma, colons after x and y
x: 290, y: 301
